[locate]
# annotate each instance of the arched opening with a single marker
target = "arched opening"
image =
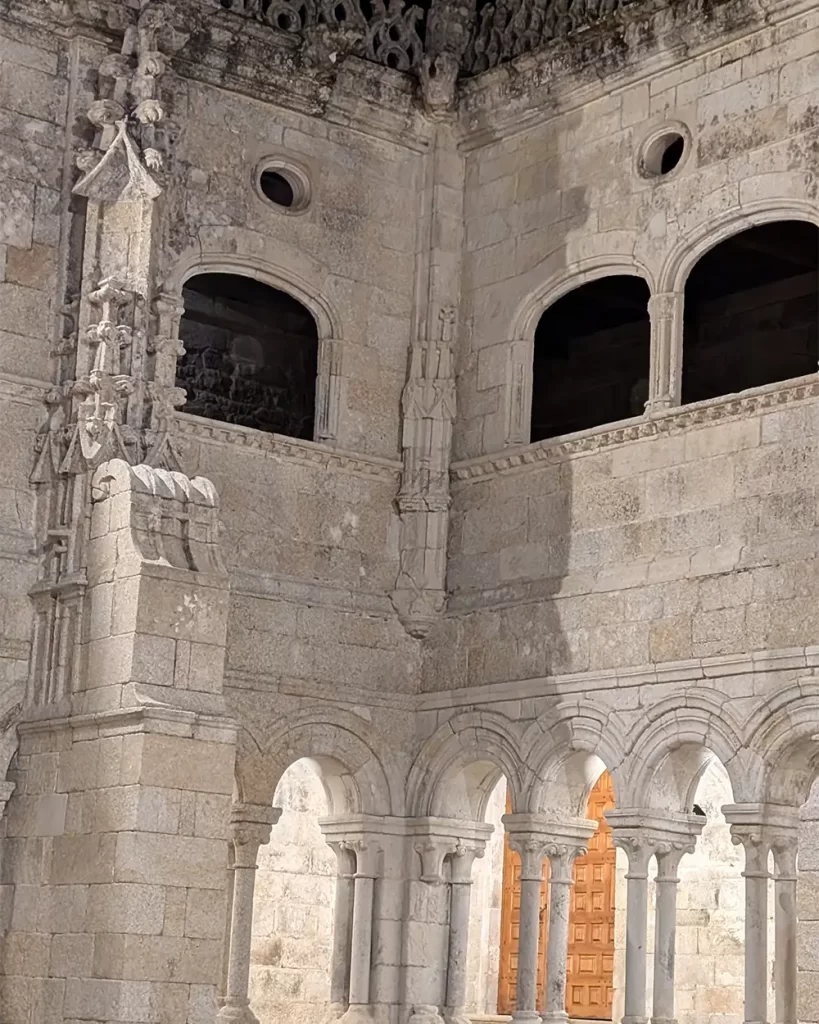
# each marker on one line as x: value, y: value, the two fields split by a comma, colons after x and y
x: 591, y: 952
x: 251, y: 355
x: 291, y: 958
x: 752, y: 311
x: 591, y: 358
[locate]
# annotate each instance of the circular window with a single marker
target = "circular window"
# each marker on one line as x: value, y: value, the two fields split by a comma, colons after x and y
x: 284, y: 186
x: 662, y: 153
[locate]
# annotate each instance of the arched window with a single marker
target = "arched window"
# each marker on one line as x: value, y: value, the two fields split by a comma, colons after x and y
x: 752, y: 311
x: 591, y: 363
x: 251, y: 355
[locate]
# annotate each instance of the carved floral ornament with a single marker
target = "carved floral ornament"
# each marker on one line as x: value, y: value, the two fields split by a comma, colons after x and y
x: 437, y: 39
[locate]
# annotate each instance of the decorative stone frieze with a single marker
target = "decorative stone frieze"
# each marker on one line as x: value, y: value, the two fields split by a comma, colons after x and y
x: 672, y: 421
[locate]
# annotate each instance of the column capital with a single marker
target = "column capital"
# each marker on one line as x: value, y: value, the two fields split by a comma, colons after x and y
x: 644, y: 832
x: 761, y: 828
x: 535, y: 837
x: 664, y: 305
x: 250, y: 827
x: 439, y: 838
x: 463, y: 857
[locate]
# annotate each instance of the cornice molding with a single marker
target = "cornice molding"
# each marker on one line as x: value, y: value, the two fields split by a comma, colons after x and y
x: 193, y: 428
x: 661, y: 423
x: 705, y: 672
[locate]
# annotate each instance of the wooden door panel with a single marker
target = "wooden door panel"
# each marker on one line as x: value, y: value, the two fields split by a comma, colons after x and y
x: 591, y: 921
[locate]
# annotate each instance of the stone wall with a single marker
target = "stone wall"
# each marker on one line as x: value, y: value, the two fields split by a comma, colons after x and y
x: 551, y: 204
x: 33, y: 102
x: 293, y: 907
x: 807, y: 904
x: 690, y: 544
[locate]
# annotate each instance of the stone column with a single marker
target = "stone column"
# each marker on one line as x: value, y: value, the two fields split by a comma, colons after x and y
x: 665, y: 930
x: 342, y: 928
x: 561, y: 880
x: 532, y: 851
x: 362, y: 926
x: 639, y: 854
x: 666, y: 311
x: 754, y: 840
x: 534, y: 837
x: 250, y: 828
x: 461, y: 862
x: 785, y: 975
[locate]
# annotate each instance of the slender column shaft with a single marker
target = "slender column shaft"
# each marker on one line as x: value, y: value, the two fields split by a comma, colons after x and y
x: 526, y: 995
x: 560, y: 893
x: 532, y: 850
x: 249, y: 831
x: 458, y: 944
x: 362, y: 928
x: 342, y: 938
x: 785, y: 976
x: 636, y: 933
x: 756, y: 924
x: 665, y: 310
x: 665, y: 935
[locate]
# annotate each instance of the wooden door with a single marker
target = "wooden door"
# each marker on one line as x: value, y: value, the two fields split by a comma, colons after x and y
x: 591, y: 924
x: 510, y: 929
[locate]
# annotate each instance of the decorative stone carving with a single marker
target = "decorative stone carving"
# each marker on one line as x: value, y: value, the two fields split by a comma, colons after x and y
x: 448, y: 29
x: 453, y: 39
x: 423, y: 501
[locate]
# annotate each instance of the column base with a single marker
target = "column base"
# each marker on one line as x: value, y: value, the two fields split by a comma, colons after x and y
x: 231, y: 1013
x: 456, y: 1015
x: 526, y: 1017
x: 359, y: 1013
x: 635, y: 1020
x: 334, y: 1011
x: 663, y: 1020
x: 425, y: 1013
x: 558, y: 1017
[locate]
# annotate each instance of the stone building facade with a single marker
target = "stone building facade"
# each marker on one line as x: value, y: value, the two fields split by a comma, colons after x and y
x: 499, y: 327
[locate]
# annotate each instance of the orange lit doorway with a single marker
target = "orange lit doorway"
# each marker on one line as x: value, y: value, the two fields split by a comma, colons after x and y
x: 591, y: 924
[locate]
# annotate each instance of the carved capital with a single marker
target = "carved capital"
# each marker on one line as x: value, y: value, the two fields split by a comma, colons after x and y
x: 250, y: 827
x: 433, y: 851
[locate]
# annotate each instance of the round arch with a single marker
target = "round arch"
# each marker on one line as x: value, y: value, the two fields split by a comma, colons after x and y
x: 328, y: 321
x: 668, y: 753
x: 567, y: 749
x: 535, y: 304
x: 352, y: 773
x: 783, y: 733
x: 478, y: 747
x: 689, y: 250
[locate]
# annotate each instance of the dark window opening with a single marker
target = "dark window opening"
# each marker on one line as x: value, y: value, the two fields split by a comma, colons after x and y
x: 752, y: 311
x: 277, y: 188
x: 672, y: 154
x: 251, y: 355
x: 591, y: 361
